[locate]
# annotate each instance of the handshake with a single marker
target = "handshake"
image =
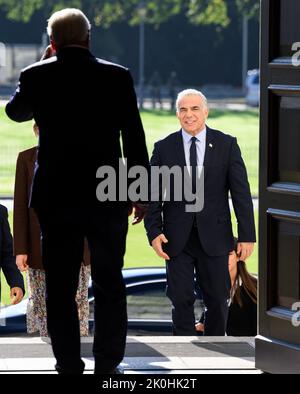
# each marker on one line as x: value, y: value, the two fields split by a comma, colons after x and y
x: 139, y: 210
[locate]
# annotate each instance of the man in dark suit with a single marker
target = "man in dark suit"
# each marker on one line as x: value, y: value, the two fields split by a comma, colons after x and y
x: 80, y: 105
x: 201, y: 241
x: 8, y: 262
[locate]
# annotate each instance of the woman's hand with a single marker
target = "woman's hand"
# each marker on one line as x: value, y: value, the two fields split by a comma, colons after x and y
x: 21, y: 261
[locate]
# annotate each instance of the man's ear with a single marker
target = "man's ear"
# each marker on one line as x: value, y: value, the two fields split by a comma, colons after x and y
x: 87, y: 42
x: 53, y: 45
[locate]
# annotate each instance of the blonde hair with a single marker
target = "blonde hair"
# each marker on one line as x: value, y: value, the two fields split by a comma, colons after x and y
x: 68, y: 27
x: 190, y: 92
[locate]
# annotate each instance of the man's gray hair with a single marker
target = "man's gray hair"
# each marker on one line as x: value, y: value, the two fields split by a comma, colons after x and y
x: 190, y: 92
x: 68, y: 27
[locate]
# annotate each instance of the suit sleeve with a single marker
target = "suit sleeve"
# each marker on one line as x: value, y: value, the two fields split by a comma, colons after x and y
x: 21, y: 210
x: 133, y: 135
x: 153, y: 220
x: 241, y: 195
x: 8, y: 263
x: 19, y: 107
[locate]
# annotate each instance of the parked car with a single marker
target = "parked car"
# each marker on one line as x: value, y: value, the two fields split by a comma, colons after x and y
x: 149, y: 309
x: 253, y: 88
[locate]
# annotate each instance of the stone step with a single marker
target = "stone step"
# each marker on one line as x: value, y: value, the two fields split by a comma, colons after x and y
x: 144, y: 355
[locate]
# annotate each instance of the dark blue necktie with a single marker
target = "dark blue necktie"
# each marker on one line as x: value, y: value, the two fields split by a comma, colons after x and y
x: 193, y: 163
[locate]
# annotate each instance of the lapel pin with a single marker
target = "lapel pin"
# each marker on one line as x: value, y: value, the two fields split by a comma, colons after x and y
x: 210, y: 145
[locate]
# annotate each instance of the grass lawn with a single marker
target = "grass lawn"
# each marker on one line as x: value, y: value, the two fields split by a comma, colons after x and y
x: 243, y: 125
x: 16, y: 137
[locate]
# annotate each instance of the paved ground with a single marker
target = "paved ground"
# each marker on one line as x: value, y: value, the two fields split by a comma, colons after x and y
x: 144, y: 355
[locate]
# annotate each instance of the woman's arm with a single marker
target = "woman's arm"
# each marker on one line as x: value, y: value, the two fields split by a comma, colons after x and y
x: 21, y: 210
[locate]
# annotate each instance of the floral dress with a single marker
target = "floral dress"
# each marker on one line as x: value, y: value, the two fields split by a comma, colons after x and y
x: 36, y: 309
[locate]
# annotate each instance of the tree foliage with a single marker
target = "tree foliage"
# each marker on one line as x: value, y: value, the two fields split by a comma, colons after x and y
x: 249, y: 7
x: 106, y: 12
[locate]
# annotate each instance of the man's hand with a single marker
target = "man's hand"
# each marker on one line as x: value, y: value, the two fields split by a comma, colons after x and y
x: 139, y: 211
x: 244, y: 250
x: 21, y: 261
x: 16, y: 295
x: 157, y: 246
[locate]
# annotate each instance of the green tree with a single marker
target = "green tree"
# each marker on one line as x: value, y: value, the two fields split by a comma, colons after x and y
x: 106, y: 12
x: 249, y: 7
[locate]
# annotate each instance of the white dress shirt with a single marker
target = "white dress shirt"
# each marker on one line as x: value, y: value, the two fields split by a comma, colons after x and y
x: 200, y: 144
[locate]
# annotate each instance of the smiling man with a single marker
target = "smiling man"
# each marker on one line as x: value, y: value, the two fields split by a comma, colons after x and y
x: 192, y: 113
x: 201, y: 241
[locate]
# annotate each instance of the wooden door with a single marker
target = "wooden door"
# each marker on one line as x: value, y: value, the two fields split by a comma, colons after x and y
x: 278, y: 343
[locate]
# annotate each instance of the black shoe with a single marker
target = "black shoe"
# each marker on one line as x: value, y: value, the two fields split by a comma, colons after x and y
x: 77, y: 369
x: 115, y: 371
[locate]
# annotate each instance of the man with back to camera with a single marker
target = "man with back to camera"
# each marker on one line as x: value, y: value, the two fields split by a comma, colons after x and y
x: 80, y: 105
x: 201, y: 241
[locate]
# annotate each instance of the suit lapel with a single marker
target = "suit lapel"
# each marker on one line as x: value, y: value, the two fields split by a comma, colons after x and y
x: 180, y: 150
x: 209, y: 150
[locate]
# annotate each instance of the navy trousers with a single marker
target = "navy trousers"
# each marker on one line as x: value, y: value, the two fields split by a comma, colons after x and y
x: 213, y: 278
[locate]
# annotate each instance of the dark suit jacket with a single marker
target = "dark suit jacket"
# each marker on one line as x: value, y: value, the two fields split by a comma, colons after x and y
x: 7, y: 260
x: 80, y: 104
x: 27, y: 237
x: 224, y: 171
